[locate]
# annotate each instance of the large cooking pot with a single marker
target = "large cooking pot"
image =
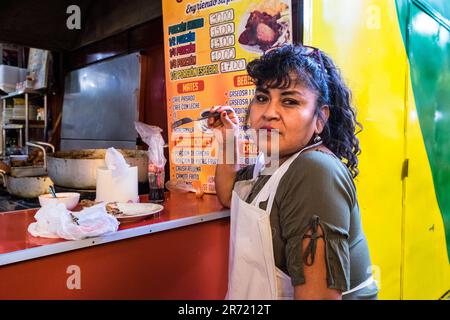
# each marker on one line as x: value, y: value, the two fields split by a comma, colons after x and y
x: 26, y: 187
x: 77, y: 169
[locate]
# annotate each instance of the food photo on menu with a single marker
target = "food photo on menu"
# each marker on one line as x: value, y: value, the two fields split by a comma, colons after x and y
x: 267, y: 26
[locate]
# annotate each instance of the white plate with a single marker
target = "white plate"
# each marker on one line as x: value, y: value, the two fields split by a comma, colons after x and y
x: 137, y: 211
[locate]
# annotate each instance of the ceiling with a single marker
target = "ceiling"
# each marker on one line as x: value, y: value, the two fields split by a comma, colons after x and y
x: 42, y: 24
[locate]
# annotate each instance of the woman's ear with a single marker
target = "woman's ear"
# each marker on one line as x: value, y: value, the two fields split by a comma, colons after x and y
x: 322, y: 118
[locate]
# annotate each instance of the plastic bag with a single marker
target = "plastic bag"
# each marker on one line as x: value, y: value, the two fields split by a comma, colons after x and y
x: 55, y: 221
x: 151, y: 135
x: 179, y: 186
x: 183, y: 187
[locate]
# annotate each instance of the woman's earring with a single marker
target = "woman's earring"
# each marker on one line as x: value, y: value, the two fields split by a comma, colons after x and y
x: 317, y: 139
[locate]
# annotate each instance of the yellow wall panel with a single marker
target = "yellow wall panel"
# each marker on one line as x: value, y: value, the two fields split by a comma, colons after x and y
x: 364, y: 40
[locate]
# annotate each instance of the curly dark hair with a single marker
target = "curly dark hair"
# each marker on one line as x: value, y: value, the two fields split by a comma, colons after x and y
x: 274, y: 70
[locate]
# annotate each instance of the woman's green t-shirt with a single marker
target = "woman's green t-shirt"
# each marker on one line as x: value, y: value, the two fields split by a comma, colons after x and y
x: 318, y: 189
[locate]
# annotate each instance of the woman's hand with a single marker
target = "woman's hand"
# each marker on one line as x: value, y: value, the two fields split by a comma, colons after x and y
x: 227, y: 122
x: 226, y: 130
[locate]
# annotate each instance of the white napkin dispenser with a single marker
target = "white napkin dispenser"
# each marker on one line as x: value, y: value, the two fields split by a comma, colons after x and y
x: 121, y: 188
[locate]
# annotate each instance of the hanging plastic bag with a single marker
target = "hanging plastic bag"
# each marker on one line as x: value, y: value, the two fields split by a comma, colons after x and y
x: 151, y: 135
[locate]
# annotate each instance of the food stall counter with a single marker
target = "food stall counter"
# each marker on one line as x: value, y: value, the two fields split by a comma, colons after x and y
x: 179, y: 253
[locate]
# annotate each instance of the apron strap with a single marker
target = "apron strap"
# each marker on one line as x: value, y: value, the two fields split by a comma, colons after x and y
x: 269, y: 190
x: 259, y: 165
x: 360, y: 286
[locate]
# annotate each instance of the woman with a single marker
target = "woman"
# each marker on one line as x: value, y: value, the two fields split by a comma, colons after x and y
x: 296, y: 232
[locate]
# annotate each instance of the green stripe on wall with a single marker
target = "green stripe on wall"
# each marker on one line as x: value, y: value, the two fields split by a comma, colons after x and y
x: 428, y: 49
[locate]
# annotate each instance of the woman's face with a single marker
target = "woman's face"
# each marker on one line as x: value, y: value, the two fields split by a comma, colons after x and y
x: 291, y: 112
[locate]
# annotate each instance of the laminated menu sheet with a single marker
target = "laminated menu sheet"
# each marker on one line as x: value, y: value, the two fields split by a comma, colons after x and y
x: 208, y: 45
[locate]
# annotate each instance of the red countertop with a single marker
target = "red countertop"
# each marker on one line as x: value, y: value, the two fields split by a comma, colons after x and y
x: 15, y: 237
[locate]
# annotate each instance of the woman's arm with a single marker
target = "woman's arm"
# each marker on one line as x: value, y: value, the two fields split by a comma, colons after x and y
x: 315, y: 213
x: 224, y: 180
x: 315, y: 286
x: 226, y: 129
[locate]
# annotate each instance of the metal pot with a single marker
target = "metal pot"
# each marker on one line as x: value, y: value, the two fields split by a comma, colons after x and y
x: 33, y: 171
x: 26, y: 187
x: 77, y: 169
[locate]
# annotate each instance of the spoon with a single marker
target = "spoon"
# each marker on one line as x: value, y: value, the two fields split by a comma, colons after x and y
x: 206, y: 115
x: 52, y: 191
x: 74, y: 219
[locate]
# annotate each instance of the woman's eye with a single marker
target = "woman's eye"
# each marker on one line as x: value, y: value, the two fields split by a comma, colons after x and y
x: 260, y: 98
x: 290, y: 102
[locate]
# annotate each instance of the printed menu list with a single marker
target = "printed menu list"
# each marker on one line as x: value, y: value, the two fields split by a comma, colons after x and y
x: 208, y: 46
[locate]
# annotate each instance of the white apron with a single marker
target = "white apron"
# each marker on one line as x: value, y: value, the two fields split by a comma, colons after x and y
x: 252, y: 273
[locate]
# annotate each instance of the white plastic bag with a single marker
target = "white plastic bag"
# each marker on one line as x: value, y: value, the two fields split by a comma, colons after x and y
x: 151, y: 135
x: 55, y: 221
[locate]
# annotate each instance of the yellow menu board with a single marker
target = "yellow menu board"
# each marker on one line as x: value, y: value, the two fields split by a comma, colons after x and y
x: 208, y: 45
